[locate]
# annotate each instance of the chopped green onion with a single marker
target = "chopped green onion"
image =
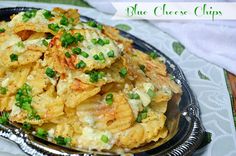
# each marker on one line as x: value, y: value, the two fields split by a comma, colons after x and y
x: 84, y: 54
x: 67, y: 54
x: 123, y: 72
x: 49, y: 36
x: 13, y: 57
x: 3, y: 90
x: 142, y: 67
x: 41, y: 133
x: 79, y: 37
x: 54, y: 27
x: 20, y: 44
x: 62, y: 141
x: 50, y: 72
x: 153, y: 55
x: 100, y: 41
x: 28, y: 15
x: 142, y: 115
x: 109, y: 99
x: 2, y: 30
x: 64, y: 21
x: 24, y: 99
x: 104, y: 139
x: 96, y: 57
x: 4, y: 118
x: 47, y: 14
x: 134, y: 96
x: 95, y: 75
x: 172, y: 77
x: 99, y: 26
x: 26, y: 126
x: 99, y: 56
x: 81, y: 64
x: 45, y: 43
x: 94, y: 25
x: 67, y: 39
x: 151, y: 93
x: 76, y: 51
x: 111, y: 54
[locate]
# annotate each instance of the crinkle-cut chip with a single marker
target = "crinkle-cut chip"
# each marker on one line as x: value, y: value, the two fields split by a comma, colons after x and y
x: 47, y: 106
x: 37, y: 79
x: 74, y: 98
x: 20, y: 116
x: 161, y: 134
x: 33, y: 27
x: 140, y: 133
x: 29, y: 56
x: 114, y: 34
x: 152, y: 66
x: 7, y: 40
x: 70, y: 13
x: 161, y: 81
x: 25, y: 34
x: 64, y: 130
x: 111, y: 75
x: 116, y: 117
x: 159, y: 107
x: 60, y: 61
x: 6, y: 102
x: 15, y: 78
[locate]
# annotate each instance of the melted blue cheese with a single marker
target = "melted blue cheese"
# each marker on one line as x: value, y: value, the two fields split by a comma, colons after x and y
x: 91, y: 139
x: 95, y: 49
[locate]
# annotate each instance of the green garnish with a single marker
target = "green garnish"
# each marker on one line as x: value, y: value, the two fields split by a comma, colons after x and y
x: 100, y: 41
x: 142, y: 67
x: 111, y: 54
x: 104, y: 139
x: 134, y: 96
x: 24, y: 99
x: 64, y: 21
x: 47, y: 14
x: 151, y: 93
x: 20, y: 44
x: 54, y: 27
x: 95, y: 75
x: 41, y: 133
x: 99, y: 57
x: 172, y: 77
x: 153, y: 55
x: 79, y: 37
x: 109, y: 99
x: 3, y: 90
x: 13, y: 57
x: 26, y: 126
x: 50, y: 72
x: 94, y: 25
x: 4, y: 118
x: 2, y: 30
x: 81, y: 64
x: 76, y: 51
x: 84, y: 54
x: 45, y: 43
x: 67, y: 39
x: 142, y: 115
x: 62, y: 141
x: 67, y: 54
x: 123, y: 72
x: 28, y: 15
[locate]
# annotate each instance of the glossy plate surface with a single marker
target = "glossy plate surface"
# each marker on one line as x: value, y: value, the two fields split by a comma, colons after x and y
x: 184, y: 123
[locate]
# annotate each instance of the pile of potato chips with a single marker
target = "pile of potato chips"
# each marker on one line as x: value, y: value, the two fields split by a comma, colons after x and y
x: 81, y: 84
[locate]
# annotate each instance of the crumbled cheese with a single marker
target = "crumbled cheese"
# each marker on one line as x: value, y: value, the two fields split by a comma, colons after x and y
x: 91, y: 139
x: 5, y: 82
x: 145, y: 98
x: 148, y: 86
x: 51, y: 133
x: 136, y: 106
